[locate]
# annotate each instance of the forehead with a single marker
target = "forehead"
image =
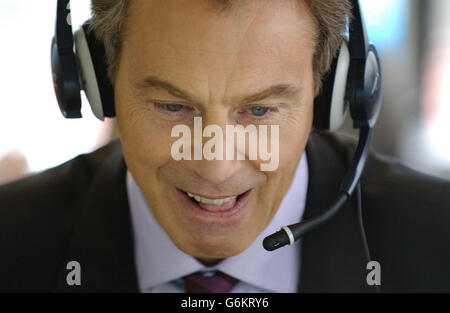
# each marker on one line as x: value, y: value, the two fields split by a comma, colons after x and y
x: 249, y: 41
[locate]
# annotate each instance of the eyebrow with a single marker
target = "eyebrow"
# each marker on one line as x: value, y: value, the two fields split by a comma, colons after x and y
x: 278, y: 90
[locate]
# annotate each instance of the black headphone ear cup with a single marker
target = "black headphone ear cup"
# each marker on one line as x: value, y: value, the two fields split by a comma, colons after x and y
x: 367, y: 92
x: 330, y: 106
x: 93, y: 68
x: 66, y: 81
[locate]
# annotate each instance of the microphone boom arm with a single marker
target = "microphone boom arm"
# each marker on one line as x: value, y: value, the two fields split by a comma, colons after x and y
x: 289, y: 234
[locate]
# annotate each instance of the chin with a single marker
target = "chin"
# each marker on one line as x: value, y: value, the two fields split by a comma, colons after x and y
x: 212, y: 251
x: 218, y: 247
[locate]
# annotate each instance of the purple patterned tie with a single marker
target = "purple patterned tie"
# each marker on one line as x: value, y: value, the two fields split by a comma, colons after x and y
x: 202, y: 282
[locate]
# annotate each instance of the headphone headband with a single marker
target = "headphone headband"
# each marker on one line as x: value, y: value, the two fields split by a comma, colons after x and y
x: 359, y: 42
x: 63, y: 30
x: 64, y: 64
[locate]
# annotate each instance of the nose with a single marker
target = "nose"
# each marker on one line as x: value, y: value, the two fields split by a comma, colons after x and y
x: 215, y: 168
x: 215, y: 172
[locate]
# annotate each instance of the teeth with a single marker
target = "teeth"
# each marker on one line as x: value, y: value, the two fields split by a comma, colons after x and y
x: 210, y: 201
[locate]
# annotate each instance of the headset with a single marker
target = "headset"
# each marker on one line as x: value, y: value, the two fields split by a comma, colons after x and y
x: 354, y: 81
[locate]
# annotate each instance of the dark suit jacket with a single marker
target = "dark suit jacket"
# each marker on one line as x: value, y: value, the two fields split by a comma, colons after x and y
x: 79, y: 211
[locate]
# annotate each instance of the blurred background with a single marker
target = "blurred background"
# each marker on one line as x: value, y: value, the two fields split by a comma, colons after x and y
x: 413, y: 38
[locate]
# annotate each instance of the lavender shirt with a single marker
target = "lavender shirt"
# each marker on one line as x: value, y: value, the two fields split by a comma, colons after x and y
x: 160, y: 264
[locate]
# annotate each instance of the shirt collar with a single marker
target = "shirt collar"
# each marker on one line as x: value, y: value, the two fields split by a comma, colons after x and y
x: 159, y: 261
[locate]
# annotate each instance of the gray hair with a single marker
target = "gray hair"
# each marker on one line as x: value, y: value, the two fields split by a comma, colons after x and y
x: 331, y: 18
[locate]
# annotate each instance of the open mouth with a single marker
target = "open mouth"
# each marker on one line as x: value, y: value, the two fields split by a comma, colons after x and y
x: 222, y: 206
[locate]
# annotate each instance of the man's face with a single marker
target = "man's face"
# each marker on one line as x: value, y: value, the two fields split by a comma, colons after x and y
x: 215, y: 60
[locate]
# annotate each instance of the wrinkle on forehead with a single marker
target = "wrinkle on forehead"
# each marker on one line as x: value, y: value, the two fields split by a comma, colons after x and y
x: 185, y: 41
x: 186, y: 24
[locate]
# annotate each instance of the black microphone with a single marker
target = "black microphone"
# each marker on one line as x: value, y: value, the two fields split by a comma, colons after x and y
x: 289, y: 234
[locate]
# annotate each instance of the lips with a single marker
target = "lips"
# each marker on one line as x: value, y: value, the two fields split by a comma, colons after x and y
x: 214, y: 206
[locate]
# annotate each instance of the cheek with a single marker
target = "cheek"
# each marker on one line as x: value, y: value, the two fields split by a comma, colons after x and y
x: 293, y: 134
x: 146, y: 145
x: 293, y: 138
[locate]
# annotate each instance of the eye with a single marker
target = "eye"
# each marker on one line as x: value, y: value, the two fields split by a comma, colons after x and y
x: 258, y: 110
x: 173, y: 107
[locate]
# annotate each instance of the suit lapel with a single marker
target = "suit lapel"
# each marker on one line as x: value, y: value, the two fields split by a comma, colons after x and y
x: 102, y: 240
x: 333, y: 256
